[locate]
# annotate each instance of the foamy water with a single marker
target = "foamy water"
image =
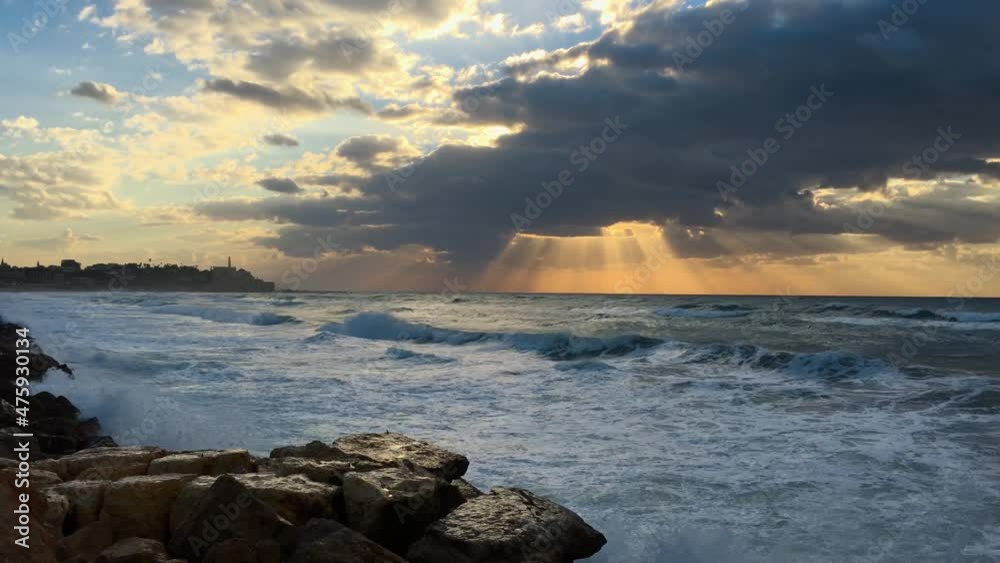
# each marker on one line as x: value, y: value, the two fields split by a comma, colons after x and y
x: 686, y: 429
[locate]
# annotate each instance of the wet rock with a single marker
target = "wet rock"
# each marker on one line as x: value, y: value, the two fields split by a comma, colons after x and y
x: 327, y: 541
x: 507, y: 525
x: 396, y: 448
x: 322, y: 471
x: 226, y: 510
x: 135, y: 550
x: 393, y: 506
x: 294, y: 498
x: 85, y: 501
x: 140, y: 506
x: 103, y: 464
x: 209, y: 462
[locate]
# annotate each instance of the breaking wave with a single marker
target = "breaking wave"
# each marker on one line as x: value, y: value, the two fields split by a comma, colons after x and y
x: 555, y: 346
x: 220, y: 315
x: 829, y: 365
x: 717, y: 312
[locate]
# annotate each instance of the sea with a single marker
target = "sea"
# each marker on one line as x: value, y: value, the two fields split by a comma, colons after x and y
x: 686, y: 429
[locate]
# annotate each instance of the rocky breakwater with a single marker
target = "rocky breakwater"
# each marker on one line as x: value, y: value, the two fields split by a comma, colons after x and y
x: 365, y: 498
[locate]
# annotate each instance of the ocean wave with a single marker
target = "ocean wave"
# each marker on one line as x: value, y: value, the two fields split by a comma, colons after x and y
x: 220, y: 315
x: 836, y: 306
x: 970, y: 317
x: 690, y: 312
x: 914, y: 314
x: 836, y: 364
x: 585, y: 366
x: 395, y: 353
x: 555, y: 346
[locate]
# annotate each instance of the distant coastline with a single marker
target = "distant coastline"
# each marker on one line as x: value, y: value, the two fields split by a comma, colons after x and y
x: 70, y: 275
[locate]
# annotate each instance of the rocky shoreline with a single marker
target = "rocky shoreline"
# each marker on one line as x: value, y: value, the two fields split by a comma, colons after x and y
x: 364, y: 498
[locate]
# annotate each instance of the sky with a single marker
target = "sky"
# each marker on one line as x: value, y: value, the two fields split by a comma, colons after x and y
x: 819, y: 147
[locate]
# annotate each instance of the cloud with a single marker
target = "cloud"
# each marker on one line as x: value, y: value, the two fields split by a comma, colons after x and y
x: 68, y: 240
x: 104, y: 93
x: 287, y: 99
x: 279, y: 140
x: 280, y: 185
x: 21, y: 123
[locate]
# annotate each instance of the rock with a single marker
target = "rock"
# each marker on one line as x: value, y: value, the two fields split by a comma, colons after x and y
x: 322, y: 471
x: 327, y: 541
x: 41, y: 542
x: 44, y: 478
x: 102, y: 464
x: 457, y: 493
x: 85, y: 501
x: 226, y: 510
x: 294, y: 498
x: 134, y: 550
x: 140, y: 506
x: 395, y: 448
x: 312, y: 450
x: 55, y: 513
x: 85, y: 544
x: 242, y: 551
x: 507, y: 525
x: 209, y: 462
x: 392, y: 506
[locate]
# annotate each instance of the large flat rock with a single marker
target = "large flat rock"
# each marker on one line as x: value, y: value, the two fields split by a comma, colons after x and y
x: 208, y: 462
x: 507, y: 525
x: 320, y: 470
x: 397, y: 448
x: 102, y: 464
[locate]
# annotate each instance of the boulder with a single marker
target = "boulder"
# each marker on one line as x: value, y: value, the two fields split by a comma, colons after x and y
x: 209, y: 462
x: 85, y: 501
x: 507, y: 525
x: 226, y: 510
x: 85, y: 544
x: 327, y: 541
x: 140, y: 506
x: 294, y: 498
x: 102, y: 464
x: 457, y: 493
x: 396, y: 448
x: 44, y: 478
x: 41, y: 541
x: 322, y: 471
x: 57, y: 507
x: 392, y: 506
x: 243, y: 551
x: 312, y: 450
x: 135, y: 550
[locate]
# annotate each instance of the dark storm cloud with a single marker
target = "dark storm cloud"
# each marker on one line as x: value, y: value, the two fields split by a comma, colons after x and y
x: 280, y: 185
x: 681, y: 131
x: 279, y: 140
x: 289, y: 99
x: 104, y: 93
x: 363, y: 150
